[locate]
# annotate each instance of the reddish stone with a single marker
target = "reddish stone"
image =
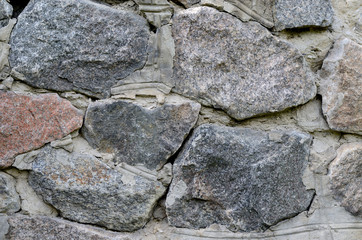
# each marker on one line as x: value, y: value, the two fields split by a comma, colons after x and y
x: 28, y: 122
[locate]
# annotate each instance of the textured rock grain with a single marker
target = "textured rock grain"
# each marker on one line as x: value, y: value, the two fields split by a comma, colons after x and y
x: 241, y: 178
x: 138, y: 135
x: 28, y: 122
x: 86, y: 190
x: 302, y: 13
x: 346, y: 179
x: 9, y: 198
x: 238, y: 67
x: 77, y: 45
x: 341, y: 87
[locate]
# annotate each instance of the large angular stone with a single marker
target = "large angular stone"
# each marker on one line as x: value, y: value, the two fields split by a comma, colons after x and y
x: 302, y: 13
x: 28, y: 122
x: 346, y: 178
x: 341, y: 87
x: 86, y: 190
x: 238, y: 67
x: 9, y: 198
x: 238, y: 177
x: 77, y: 45
x: 138, y: 135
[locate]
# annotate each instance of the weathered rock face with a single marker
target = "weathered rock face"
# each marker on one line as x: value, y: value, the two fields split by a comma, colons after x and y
x: 341, y: 87
x: 346, y: 179
x: 6, y: 11
x: 77, y: 45
x: 28, y: 122
x: 241, y: 178
x: 238, y: 67
x: 302, y: 13
x: 138, y: 135
x: 86, y: 190
x: 38, y: 227
x: 9, y: 198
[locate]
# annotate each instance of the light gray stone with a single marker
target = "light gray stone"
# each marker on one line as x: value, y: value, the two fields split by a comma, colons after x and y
x: 302, y: 13
x: 9, y: 198
x: 244, y: 179
x: 137, y: 135
x: 86, y: 190
x: 238, y: 67
x: 6, y: 11
x: 80, y: 45
x: 4, y: 226
x: 346, y: 179
x: 341, y: 87
x: 310, y: 116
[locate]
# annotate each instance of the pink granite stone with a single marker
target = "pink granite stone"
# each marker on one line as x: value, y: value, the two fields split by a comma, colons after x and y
x: 29, y: 122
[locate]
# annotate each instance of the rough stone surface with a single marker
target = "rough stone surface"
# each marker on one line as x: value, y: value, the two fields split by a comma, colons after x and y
x: 86, y: 190
x: 346, y: 179
x: 6, y: 11
x: 77, y: 45
x: 341, y: 87
x: 238, y: 67
x: 302, y: 13
x: 4, y: 226
x: 310, y: 116
x: 138, y: 135
x: 241, y: 178
x: 9, y: 198
x: 28, y: 122
x: 25, y: 227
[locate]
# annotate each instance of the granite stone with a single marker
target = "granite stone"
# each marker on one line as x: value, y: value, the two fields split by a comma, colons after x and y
x: 28, y: 122
x: 136, y: 134
x: 235, y: 66
x: 246, y: 180
x: 77, y: 45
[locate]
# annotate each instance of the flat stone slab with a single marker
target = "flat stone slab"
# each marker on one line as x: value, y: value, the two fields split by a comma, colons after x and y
x: 9, y: 198
x: 138, y: 135
x: 341, y: 87
x: 28, y: 122
x: 236, y: 66
x: 86, y: 190
x: 302, y: 13
x: 243, y: 179
x: 346, y: 179
x: 77, y: 45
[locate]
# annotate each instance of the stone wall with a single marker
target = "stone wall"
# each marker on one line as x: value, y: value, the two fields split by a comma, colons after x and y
x: 183, y: 119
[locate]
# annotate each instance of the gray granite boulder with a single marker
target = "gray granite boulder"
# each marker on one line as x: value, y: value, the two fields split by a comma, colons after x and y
x: 244, y: 179
x: 77, y: 45
x: 341, y: 87
x: 9, y: 198
x: 302, y: 13
x: 86, y: 190
x: 346, y: 178
x: 236, y: 66
x: 136, y: 134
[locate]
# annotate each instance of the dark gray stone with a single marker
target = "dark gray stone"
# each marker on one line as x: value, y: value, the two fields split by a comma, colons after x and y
x: 238, y: 67
x: 138, y: 135
x: 9, y: 198
x: 47, y: 228
x: 85, y: 190
x: 244, y: 179
x: 302, y: 13
x: 77, y: 45
x: 346, y: 177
